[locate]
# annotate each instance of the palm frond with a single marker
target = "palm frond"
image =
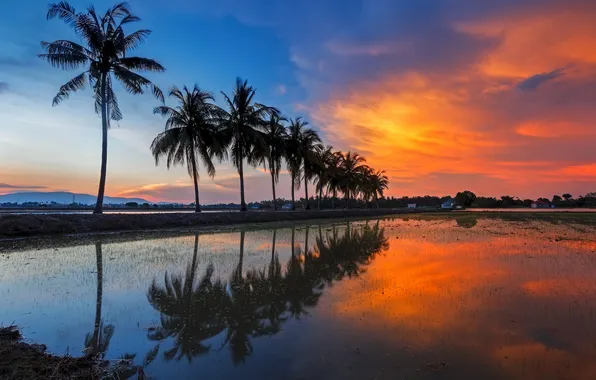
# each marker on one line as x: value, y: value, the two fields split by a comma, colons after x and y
x: 138, y: 63
x: 75, y: 84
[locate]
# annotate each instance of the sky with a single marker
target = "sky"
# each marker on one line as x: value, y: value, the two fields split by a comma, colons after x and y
x: 495, y: 96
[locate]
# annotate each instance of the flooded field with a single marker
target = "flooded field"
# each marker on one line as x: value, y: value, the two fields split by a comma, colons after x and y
x: 453, y: 297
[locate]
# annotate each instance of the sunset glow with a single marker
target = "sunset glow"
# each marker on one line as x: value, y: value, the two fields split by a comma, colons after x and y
x: 497, y: 98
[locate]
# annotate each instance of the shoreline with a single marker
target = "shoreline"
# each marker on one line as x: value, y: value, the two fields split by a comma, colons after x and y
x: 31, y: 225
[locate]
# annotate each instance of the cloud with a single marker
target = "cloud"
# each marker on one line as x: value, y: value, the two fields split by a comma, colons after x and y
x: 5, y: 186
x: 533, y: 82
x: 4, y: 87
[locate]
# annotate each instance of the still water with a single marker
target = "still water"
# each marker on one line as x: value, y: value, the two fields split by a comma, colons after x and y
x: 452, y: 298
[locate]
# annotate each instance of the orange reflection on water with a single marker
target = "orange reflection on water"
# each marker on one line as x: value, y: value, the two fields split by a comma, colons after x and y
x: 521, y: 304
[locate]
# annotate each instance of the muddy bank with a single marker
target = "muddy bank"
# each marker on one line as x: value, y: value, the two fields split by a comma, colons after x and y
x: 22, y: 360
x: 23, y: 225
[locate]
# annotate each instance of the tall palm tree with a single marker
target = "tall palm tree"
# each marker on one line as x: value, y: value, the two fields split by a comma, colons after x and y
x: 323, y: 170
x: 244, y: 122
x: 192, y: 131
x: 105, y: 55
x: 293, y: 157
x: 352, y: 165
x: 310, y: 146
x: 275, y: 140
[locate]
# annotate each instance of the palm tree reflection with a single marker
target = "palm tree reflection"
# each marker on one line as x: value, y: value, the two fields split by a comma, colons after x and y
x: 261, y: 301
x: 189, y: 310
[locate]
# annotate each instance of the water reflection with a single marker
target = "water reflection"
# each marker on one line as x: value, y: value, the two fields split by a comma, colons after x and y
x: 258, y: 303
x: 463, y: 297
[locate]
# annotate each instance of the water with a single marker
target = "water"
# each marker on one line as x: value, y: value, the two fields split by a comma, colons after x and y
x: 444, y: 298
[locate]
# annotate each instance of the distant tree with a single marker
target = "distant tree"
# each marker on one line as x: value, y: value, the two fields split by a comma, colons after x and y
x: 145, y: 205
x: 567, y: 196
x: 507, y: 201
x: 132, y: 204
x: 465, y: 198
x: 106, y: 54
x: 528, y: 202
x: 557, y: 199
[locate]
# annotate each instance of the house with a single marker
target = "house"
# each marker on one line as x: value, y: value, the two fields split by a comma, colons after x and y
x: 255, y: 206
x: 411, y: 205
x: 449, y: 203
x: 287, y: 206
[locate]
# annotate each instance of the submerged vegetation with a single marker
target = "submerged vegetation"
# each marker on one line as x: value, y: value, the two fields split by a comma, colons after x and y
x: 245, y: 131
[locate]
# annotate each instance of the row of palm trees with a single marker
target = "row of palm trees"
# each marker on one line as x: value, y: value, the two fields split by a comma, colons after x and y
x: 193, y: 310
x: 196, y: 128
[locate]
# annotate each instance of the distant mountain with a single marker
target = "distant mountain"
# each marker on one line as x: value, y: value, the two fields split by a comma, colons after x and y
x: 63, y: 197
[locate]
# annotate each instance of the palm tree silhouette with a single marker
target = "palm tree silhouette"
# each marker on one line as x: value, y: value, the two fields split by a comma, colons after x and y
x: 275, y: 140
x: 310, y: 146
x: 294, y: 153
x: 351, y: 165
x: 379, y: 183
x: 192, y: 131
x: 244, y: 122
x: 323, y: 170
x: 190, y: 312
x: 105, y: 55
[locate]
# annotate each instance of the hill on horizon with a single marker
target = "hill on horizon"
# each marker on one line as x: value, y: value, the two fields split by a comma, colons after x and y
x: 63, y: 197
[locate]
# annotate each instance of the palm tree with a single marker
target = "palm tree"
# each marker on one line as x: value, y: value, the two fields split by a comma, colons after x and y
x: 244, y: 122
x: 192, y: 130
x: 275, y: 140
x: 105, y: 55
x: 379, y: 183
x: 334, y: 176
x: 323, y: 170
x: 352, y: 165
x: 292, y: 156
x: 309, y: 147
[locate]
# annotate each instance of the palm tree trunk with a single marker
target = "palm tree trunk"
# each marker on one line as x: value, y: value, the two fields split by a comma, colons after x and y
x: 293, y: 200
x: 306, y: 189
x: 196, y: 181
x: 377, y: 200
x: 99, y: 295
x: 104, y: 146
x: 333, y: 199
x: 240, y: 262
x: 241, y: 172
x: 347, y: 199
x: 306, y: 240
x: 273, y: 247
x: 320, y: 196
x: 273, y: 188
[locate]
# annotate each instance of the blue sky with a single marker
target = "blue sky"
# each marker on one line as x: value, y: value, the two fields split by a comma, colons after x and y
x: 443, y: 94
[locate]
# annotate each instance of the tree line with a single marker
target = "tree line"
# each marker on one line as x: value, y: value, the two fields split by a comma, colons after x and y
x: 196, y: 129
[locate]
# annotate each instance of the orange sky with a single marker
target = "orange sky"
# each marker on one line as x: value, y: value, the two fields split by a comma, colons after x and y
x: 497, y: 98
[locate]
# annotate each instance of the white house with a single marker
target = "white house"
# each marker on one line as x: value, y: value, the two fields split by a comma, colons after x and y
x: 411, y: 205
x: 287, y: 206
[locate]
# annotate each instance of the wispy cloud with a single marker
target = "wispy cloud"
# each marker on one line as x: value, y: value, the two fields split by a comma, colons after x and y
x: 533, y: 82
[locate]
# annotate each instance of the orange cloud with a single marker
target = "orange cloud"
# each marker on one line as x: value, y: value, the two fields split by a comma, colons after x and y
x: 502, y: 122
